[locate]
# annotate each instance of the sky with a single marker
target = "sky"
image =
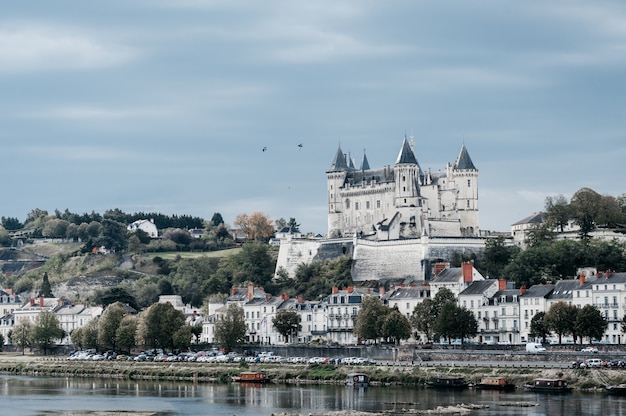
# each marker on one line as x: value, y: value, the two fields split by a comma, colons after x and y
x: 165, y: 106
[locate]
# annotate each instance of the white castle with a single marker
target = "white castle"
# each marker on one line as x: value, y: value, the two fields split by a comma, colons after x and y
x: 402, y: 201
x: 394, y: 222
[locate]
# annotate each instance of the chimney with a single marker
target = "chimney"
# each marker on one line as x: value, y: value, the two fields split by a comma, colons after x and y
x: 299, y: 298
x: 233, y: 291
x: 381, y: 290
x: 335, y: 289
x: 522, y: 290
x: 268, y: 296
x: 284, y: 296
x: 501, y: 284
x: 582, y: 279
x: 32, y: 302
x: 350, y: 289
x: 41, y: 301
x: 440, y: 266
x: 608, y: 273
x: 468, y: 269
x: 250, y: 291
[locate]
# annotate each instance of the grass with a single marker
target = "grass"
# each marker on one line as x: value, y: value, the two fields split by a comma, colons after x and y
x: 171, y: 255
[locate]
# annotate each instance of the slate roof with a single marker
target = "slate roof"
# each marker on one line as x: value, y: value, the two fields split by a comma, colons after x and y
x: 406, y: 154
x: 601, y: 278
x: 563, y: 289
x: 479, y: 287
x: 538, y: 291
x: 536, y: 218
x: 508, y: 294
x: 364, y: 163
x: 464, y: 161
x: 453, y: 274
x: 339, y: 162
x: 407, y: 293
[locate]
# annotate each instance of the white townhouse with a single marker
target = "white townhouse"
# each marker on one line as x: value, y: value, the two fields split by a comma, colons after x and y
x: 313, y: 320
x: 72, y: 316
x: 405, y: 298
x: 34, y: 307
x: 532, y: 301
x: 503, y: 310
x: 609, y: 296
x: 343, y: 306
x: 476, y: 299
x: 457, y: 279
x: 8, y: 304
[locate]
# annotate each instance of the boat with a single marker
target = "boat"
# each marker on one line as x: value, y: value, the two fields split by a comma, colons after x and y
x: 619, y: 389
x: 357, y: 380
x: 549, y: 385
x: 257, y: 377
x: 495, y: 383
x: 448, y: 383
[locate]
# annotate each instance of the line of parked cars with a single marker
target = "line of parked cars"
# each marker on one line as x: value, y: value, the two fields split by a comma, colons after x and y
x: 598, y: 363
x: 215, y: 357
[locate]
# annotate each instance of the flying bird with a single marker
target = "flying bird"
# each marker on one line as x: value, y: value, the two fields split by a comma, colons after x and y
x: 264, y: 148
x: 300, y: 146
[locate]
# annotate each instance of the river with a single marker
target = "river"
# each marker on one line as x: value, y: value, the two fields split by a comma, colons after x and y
x: 70, y: 396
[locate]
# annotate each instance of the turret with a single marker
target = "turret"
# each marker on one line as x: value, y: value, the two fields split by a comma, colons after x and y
x: 336, y: 175
x: 407, y: 177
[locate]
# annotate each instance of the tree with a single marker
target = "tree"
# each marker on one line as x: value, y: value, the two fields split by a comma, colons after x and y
x: 46, y: 289
x: 396, y: 327
x: 590, y: 323
x: 76, y: 336
x: 196, y: 331
x: 125, y: 333
x: 558, y: 212
x: 230, y: 328
x: 280, y: 223
x: 182, y: 338
x: 109, y: 322
x: 442, y: 297
x: 114, y: 235
x: 560, y: 319
x: 369, y: 320
x: 293, y: 223
x: 253, y: 263
x: 287, y: 323
x: 423, y: 318
x: 90, y: 334
x: 255, y: 226
x: 46, y: 330
x: 455, y: 322
x: 538, y: 328
x: 21, y: 334
x: 584, y: 204
x: 217, y: 219
x: 107, y: 297
x: 11, y: 223
x: 496, y: 256
x: 162, y: 322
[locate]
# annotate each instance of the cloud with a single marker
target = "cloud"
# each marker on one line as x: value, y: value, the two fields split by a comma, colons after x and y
x: 97, y: 113
x: 36, y: 47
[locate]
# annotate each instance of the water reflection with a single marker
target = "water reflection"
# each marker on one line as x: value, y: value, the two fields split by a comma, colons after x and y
x: 67, y: 396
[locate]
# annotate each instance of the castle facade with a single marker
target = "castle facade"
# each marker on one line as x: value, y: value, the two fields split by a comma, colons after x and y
x: 401, y: 201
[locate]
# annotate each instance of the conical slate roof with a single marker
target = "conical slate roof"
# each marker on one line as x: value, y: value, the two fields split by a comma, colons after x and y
x: 364, y: 163
x: 406, y: 154
x: 339, y: 162
x: 464, y: 161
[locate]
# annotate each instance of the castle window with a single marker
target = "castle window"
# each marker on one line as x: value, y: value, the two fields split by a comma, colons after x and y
x: 469, y: 183
x: 404, y: 188
x: 403, y: 178
x: 367, y: 204
x: 468, y: 203
x: 347, y: 203
x: 378, y: 203
x: 356, y: 206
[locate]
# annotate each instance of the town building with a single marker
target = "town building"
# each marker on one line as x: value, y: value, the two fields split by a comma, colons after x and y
x: 146, y: 226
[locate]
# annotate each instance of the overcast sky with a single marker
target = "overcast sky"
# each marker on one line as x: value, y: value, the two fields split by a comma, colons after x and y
x: 148, y: 105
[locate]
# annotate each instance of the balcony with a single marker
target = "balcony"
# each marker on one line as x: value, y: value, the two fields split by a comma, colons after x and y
x: 319, y: 332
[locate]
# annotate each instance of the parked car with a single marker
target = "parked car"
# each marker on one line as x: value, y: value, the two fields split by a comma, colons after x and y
x: 591, y: 349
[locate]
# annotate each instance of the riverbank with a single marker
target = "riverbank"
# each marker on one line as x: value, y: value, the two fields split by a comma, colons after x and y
x: 381, y: 375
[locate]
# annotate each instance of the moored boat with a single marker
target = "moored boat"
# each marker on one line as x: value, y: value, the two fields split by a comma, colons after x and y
x: 619, y: 389
x: 357, y: 380
x: 549, y: 385
x: 252, y: 377
x: 448, y: 383
x: 496, y: 383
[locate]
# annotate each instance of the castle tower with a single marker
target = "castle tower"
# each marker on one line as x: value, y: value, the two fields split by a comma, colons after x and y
x: 336, y: 176
x: 465, y: 176
x: 407, y: 177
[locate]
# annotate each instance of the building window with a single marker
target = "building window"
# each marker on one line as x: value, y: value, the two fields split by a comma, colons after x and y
x: 403, y: 178
x: 347, y: 203
x: 468, y: 204
x: 356, y: 206
x: 469, y: 183
x: 367, y: 204
x: 378, y: 203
